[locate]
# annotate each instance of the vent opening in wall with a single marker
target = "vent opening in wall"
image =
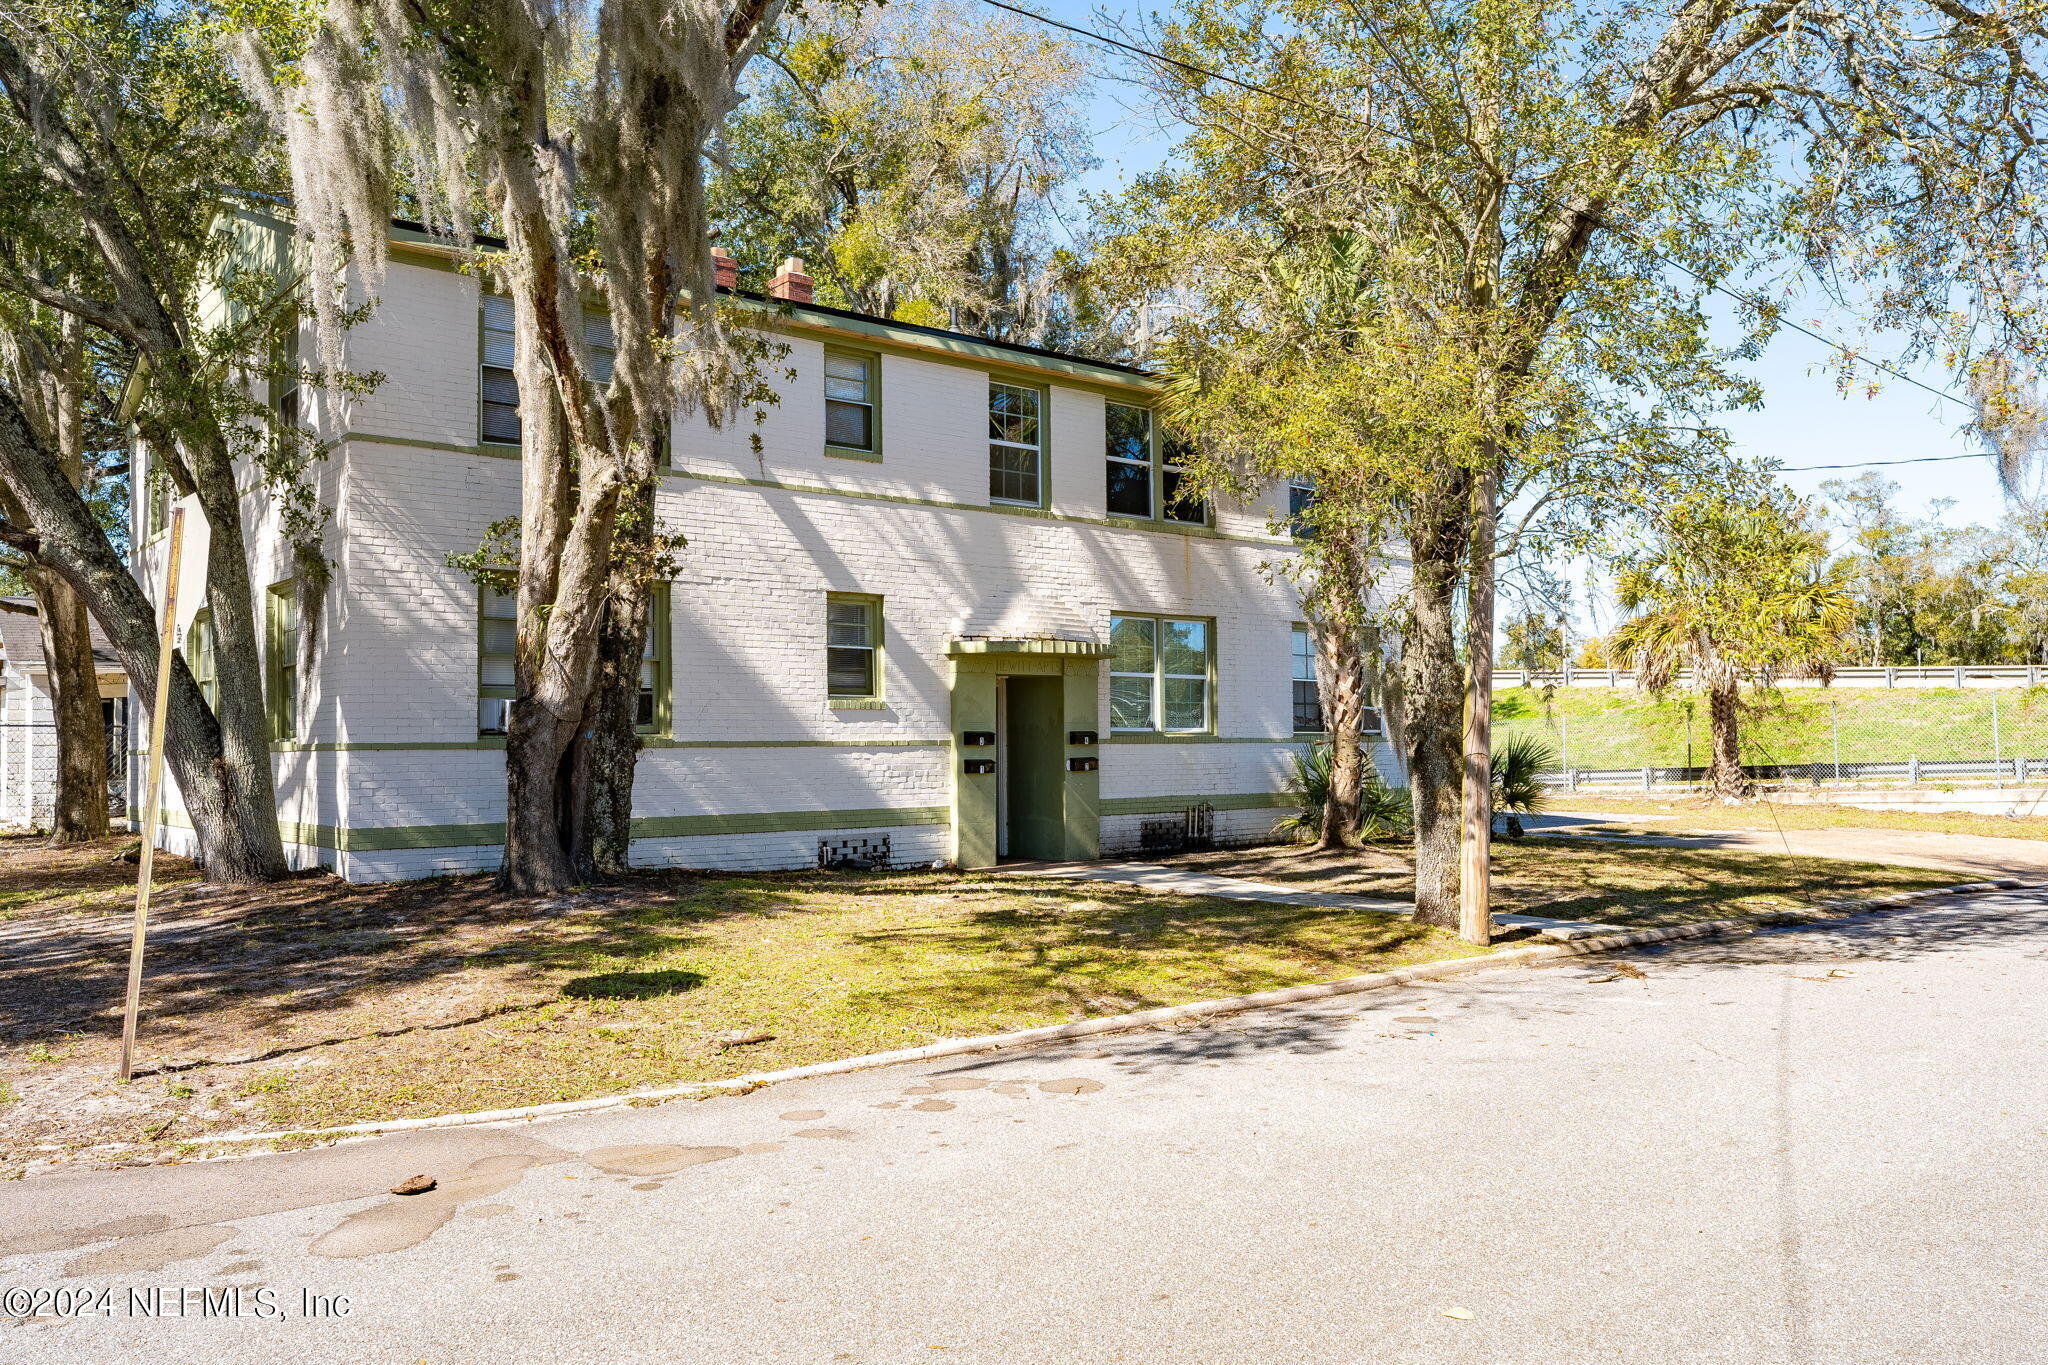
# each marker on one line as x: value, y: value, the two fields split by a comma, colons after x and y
x: 866, y: 854
x: 1163, y: 836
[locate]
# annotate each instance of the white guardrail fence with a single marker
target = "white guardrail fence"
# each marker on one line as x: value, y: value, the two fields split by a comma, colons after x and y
x: 1908, y: 675
x: 1911, y: 772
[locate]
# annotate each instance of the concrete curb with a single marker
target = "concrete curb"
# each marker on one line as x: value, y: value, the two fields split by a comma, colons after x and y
x: 1119, y: 1023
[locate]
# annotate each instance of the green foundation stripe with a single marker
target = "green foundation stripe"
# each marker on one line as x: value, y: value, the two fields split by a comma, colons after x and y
x: 1148, y: 805
x: 395, y: 838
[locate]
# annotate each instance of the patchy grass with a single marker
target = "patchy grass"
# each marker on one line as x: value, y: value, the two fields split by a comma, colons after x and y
x: 359, y: 1002
x: 1669, y: 815
x: 1585, y: 879
x: 92, y: 878
x: 312, y: 1002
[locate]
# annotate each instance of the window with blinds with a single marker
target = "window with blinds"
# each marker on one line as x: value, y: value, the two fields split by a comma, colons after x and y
x: 498, y: 415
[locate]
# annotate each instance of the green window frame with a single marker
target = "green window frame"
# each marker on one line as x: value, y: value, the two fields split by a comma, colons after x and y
x: 1142, y: 471
x: 1308, y: 698
x: 853, y: 404
x: 199, y: 656
x: 497, y: 648
x: 1128, y: 456
x: 497, y: 641
x: 854, y: 643
x: 497, y: 420
x: 651, y: 714
x: 286, y: 394
x: 1162, y: 674
x: 281, y: 661
x: 1016, y: 443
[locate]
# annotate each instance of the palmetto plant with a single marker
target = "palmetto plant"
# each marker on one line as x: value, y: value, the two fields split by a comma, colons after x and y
x: 1382, y: 810
x: 1518, y: 762
x: 1736, y: 590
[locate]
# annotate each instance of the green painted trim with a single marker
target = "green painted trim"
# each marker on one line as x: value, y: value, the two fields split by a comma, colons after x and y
x: 1150, y: 805
x: 1088, y: 649
x: 864, y: 495
x: 833, y: 452
x: 999, y: 508
x: 1283, y: 740
x: 648, y: 741
x: 856, y: 704
x: 787, y: 821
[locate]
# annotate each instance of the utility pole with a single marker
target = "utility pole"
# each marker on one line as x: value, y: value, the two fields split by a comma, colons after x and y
x: 152, y: 788
x: 1475, y: 872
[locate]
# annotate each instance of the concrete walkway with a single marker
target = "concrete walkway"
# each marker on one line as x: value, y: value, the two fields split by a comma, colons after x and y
x: 1984, y: 857
x: 1181, y: 881
x: 1806, y: 1147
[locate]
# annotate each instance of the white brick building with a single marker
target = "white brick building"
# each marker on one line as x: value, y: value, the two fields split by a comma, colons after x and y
x: 972, y: 585
x: 28, y: 717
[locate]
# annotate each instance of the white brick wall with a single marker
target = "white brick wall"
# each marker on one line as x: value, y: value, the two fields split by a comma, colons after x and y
x: 771, y: 531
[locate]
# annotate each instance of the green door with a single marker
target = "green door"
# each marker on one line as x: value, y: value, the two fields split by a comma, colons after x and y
x: 1036, y: 754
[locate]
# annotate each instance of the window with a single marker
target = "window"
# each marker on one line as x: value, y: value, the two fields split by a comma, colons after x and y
x: 498, y: 421
x: 496, y: 652
x: 282, y: 675
x: 285, y: 389
x: 1173, y: 456
x: 853, y: 646
x: 852, y: 385
x: 199, y: 656
x: 1136, y: 464
x: 1158, y: 674
x: 1016, y: 446
x: 156, y: 501
x: 1308, y: 702
x: 650, y: 713
x: 1301, y: 495
x: 1127, y: 441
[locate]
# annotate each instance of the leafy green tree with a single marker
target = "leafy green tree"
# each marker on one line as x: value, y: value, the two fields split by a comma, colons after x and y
x: 1539, y: 198
x: 911, y: 156
x: 1534, y: 642
x: 577, y: 133
x: 1735, y: 590
x: 119, y: 127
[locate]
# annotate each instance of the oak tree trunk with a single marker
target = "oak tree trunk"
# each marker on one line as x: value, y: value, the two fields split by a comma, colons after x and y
x: 82, y: 805
x: 606, y: 830
x: 233, y: 809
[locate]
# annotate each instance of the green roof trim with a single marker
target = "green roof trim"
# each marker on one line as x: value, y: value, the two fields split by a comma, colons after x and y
x: 1086, y: 649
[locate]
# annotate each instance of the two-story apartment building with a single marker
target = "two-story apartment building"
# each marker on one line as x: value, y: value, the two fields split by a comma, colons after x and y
x: 947, y: 600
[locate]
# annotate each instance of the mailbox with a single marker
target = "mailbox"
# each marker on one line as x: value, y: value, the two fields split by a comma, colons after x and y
x: 1083, y: 765
x: 976, y: 739
x: 980, y: 767
x: 1081, y: 738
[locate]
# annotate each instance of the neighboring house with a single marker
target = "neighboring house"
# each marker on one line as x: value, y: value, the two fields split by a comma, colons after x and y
x: 28, y: 722
x: 945, y: 609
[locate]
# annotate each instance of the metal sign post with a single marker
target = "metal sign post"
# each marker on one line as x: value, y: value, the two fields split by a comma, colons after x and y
x: 152, y: 787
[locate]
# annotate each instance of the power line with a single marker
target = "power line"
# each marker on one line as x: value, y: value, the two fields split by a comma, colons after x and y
x: 1751, y: 301
x: 1871, y: 464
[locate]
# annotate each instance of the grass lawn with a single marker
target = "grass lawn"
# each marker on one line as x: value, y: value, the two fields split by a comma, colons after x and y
x: 1622, y: 727
x: 1671, y: 815
x: 315, y: 1002
x: 1587, y: 879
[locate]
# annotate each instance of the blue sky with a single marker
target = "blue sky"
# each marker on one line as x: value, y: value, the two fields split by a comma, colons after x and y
x: 1805, y: 421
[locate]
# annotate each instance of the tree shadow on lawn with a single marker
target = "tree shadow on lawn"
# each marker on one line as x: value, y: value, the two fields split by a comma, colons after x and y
x: 1084, y: 956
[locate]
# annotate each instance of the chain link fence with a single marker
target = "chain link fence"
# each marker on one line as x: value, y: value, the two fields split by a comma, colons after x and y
x: 1922, y: 735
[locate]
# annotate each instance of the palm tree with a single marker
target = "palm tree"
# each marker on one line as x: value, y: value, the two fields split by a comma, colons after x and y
x: 1738, y: 589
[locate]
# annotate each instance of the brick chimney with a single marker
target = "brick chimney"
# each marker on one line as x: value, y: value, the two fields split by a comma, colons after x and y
x: 725, y: 270
x: 790, y: 282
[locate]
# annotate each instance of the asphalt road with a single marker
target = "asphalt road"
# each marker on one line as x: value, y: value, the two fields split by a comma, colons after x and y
x: 1802, y: 1146
x: 1984, y: 857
